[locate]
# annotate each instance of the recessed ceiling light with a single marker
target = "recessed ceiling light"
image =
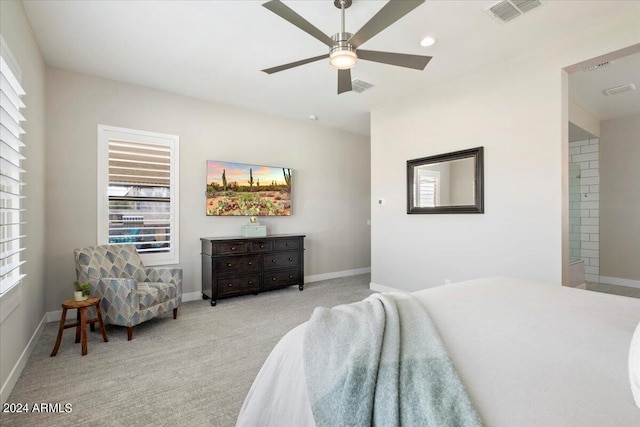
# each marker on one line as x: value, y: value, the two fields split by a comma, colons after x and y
x: 427, y: 41
x: 313, y: 117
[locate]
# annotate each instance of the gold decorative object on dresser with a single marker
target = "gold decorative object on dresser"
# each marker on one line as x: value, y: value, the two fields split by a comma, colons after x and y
x: 233, y: 266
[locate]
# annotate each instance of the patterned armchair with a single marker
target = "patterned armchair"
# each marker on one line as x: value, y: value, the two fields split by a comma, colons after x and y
x: 131, y: 294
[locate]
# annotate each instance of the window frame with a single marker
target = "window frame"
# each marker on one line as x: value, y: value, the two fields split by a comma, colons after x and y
x: 13, y: 96
x: 106, y: 133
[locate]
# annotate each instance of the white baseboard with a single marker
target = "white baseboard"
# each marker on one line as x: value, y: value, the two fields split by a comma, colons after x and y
x: 382, y: 288
x: 12, y: 379
x: 620, y: 282
x: 194, y: 296
x: 54, y: 316
x: 336, y: 274
x: 191, y: 296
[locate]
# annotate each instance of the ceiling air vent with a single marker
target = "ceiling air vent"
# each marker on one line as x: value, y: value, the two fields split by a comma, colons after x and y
x: 595, y: 67
x: 506, y: 10
x: 619, y: 89
x: 360, y: 85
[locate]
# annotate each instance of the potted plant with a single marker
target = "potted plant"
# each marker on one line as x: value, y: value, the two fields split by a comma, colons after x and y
x: 82, y: 291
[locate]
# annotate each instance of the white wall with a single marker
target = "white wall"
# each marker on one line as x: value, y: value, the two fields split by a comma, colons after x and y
x: 584, y: 119
x: 331, y: 189
x: 620, y: 198
x: 462, y: 182
x: 22, y: 323
x: 517, y: 110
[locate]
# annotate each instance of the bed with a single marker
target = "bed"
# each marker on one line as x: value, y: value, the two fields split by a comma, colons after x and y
x: 528, y: 353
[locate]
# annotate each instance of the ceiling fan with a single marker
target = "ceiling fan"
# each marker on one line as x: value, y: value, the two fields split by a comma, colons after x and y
x: 343, y: 46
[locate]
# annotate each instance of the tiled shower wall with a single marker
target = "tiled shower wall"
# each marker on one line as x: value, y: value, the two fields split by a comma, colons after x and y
x: 584, y: 205
x: 574, y: 212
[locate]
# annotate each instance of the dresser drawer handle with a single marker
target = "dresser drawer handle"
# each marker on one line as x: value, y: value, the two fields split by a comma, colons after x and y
x: 230, y: 285
x: 290, y: 277
x: 286, y: 244
x: 250, y: 282
x: 261, y: 246
x: 273, y: 279
x: 233, y: 248
x: 273, y: 260
x: 290, y: 259
x: 229, y: 265
x: 250, y: 263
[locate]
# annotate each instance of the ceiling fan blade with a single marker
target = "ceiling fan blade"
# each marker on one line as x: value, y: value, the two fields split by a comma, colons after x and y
x: 294, y: 64
x: 285, y: 12
x: 344, y: 81
x: 386, y: 16
x: 417, y: 62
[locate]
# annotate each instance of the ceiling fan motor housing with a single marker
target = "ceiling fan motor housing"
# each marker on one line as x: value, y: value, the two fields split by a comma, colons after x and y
x: 344, y: 49
x: 341, y: 39
x: 342, y: 56
x: 340, y: 3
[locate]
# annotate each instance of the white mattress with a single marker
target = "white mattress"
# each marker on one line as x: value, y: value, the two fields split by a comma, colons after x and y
x: 529, y: 354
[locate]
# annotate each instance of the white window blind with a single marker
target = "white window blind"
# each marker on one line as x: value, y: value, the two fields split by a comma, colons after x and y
x: 11, y: 195
x: 139, y: 192
x: 427, y: 191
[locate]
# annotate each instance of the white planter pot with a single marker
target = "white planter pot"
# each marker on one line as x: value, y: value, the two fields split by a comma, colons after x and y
x: 77, y: 295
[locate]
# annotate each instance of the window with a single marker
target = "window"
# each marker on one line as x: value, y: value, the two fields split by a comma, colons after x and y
x: 427, y: 192
x: 138, y: 192
x: 11, y: 194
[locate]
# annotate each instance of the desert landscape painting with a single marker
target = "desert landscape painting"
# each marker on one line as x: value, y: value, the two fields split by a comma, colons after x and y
x: 243, y: 189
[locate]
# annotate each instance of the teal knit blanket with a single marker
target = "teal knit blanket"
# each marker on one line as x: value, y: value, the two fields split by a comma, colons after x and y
x: 380, y: 362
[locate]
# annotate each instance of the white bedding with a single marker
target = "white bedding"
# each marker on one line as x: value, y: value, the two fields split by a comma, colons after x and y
x: 529, y: 354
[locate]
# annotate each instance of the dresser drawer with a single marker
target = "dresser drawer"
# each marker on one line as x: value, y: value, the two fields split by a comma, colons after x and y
x: 240, y: 284
x: 281, y: 278
x: 287, y: 244
x: 261, y: 246
x: 227, y: 248
x: 281, y: 260
x: 239, y: 264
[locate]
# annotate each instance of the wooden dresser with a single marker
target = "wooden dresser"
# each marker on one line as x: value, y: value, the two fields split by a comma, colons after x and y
x: 233, y: 266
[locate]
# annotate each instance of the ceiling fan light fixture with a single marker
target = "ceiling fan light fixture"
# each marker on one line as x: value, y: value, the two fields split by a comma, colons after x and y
x: 343, y: 59
x: 344, y: 47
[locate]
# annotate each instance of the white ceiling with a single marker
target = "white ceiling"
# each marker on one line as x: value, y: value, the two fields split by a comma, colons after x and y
x: 215, y: 50
x: 586, y: 88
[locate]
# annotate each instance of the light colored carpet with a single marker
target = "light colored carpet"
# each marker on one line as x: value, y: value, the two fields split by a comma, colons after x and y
x: 192, y: 371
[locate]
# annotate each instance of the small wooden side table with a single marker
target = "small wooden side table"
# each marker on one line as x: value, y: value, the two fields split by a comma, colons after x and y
x: 81, y: 322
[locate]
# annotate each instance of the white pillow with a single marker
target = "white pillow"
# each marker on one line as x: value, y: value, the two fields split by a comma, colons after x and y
x: 634, y: 365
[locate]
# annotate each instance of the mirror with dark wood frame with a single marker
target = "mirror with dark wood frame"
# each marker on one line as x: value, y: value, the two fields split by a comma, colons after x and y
x: 446, y: 183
